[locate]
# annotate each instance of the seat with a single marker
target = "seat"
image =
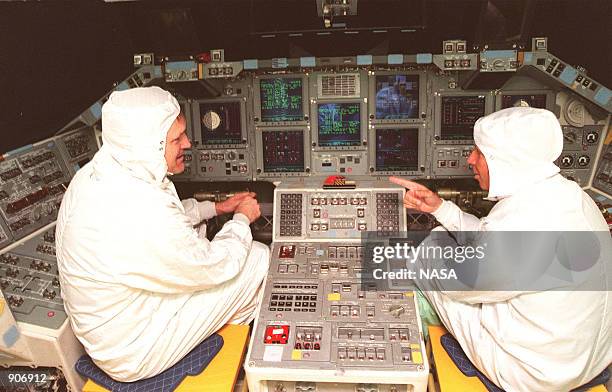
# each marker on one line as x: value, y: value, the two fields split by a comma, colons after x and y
x: 450, y: 378
x: 221, y: 373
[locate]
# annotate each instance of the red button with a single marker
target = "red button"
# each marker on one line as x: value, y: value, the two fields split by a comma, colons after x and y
x: 51, y: 314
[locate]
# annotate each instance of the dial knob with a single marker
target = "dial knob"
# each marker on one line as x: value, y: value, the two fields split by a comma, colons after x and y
x: 583, y: 160
x: 592, y: 137
x: 567, y: 161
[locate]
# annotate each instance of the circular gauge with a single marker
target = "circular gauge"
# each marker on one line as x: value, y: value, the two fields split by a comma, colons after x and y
x: 521, y: 103
x: 211, y: 120
x: 574, y: 113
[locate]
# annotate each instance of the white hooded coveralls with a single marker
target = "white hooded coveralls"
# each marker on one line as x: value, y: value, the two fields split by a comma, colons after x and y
x: 141, y: 286
x: 528, y: 341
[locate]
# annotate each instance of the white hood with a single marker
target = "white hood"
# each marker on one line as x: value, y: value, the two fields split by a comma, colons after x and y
x: 520, y: 145
x: 135, y: 123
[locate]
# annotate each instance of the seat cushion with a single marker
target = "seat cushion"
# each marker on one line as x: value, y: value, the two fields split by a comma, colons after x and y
x: 192, y: 364
x: 455, y: 352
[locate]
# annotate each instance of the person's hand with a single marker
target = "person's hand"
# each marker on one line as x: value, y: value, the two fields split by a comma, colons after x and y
x: 250, y: 208
x: 417, y: 196
x: 229, y: 205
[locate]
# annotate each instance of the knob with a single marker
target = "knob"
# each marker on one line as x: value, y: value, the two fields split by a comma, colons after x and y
x: 592, y: 137
x: 567, y: 161
x: 583, y: 160
x: 231, y: 155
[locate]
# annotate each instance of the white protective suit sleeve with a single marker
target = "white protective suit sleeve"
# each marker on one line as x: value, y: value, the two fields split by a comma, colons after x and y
x: 455, y: 220
x: 199, y: 211
x: 178, y: 260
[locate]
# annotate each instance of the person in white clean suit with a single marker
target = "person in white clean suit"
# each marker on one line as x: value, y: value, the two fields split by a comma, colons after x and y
x: 524, y: 341
x: 141, y: 285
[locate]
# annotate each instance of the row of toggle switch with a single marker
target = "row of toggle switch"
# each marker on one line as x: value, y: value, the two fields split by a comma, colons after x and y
x: 342, y: 201
x: 345, y: 252
x: 287, y: 268
x: 350, y: 311
x: 361, y: 353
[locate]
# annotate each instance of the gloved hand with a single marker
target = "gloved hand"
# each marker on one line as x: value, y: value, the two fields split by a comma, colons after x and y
x: 230, y: 205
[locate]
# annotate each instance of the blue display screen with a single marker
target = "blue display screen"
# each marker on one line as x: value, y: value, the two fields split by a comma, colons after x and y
x: 339, y: 124
x: 397, y: 97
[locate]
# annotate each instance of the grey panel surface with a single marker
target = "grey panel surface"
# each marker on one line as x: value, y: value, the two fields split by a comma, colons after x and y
x: 77, y: 148
x: 32, y: 183
x: 30, y: 282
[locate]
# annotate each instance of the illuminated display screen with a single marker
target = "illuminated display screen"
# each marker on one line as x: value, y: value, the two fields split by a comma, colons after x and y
x: 339, y: 124
x: 221, y: 123
x: 283, y: 151
x: 534, y: 101
x: 397, y: 96
x: 397, y: 149
x: 281, y: 99
x: 459, y: 114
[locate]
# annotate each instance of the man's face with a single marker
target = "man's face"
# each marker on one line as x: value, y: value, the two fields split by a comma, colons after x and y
x: 176, y: 142
x: 479, y: 167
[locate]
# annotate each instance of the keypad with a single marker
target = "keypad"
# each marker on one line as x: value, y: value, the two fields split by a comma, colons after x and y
x: 293, y: 302
x: 387, y: 218
x: 291, y: 215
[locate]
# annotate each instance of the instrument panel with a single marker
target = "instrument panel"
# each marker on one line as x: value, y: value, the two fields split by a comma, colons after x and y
x: 318, y: 314
x: 364, y: 122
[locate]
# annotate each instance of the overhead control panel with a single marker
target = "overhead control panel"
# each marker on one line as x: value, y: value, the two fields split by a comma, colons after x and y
x: 551, y: 68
